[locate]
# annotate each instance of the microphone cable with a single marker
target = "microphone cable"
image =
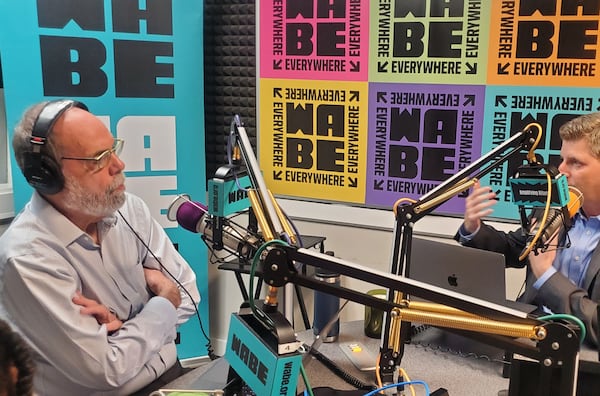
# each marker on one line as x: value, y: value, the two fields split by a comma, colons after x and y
x: 209, y: 346
x: 346, y: 376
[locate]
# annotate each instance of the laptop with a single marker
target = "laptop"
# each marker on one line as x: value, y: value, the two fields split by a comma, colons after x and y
x: 474, y: 272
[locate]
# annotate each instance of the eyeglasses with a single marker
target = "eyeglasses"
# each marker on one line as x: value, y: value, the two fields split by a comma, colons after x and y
x: 103, y: 159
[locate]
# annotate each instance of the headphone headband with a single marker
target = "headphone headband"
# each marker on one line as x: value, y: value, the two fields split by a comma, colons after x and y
x: 48, y: 117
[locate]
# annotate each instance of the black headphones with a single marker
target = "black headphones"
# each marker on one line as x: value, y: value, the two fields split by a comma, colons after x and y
x: 42, y: 171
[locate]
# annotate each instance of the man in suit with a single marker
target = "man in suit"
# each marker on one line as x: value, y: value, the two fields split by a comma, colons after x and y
x: 563, y: 280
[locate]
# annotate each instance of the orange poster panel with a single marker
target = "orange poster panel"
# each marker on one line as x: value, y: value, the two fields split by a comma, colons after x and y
x: 544, y: 43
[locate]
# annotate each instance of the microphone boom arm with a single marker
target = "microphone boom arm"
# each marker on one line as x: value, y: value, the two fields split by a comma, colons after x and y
x: 407, y: 214
x: 552, y: 344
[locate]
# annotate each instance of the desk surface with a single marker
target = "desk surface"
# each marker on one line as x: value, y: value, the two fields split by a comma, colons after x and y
x: 459, y: 375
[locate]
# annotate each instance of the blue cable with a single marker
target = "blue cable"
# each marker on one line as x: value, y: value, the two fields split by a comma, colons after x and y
x: 427, y: 392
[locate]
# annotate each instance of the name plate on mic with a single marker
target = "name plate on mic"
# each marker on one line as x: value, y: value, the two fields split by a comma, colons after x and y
x: 226, y: 196
x: 533, y: 191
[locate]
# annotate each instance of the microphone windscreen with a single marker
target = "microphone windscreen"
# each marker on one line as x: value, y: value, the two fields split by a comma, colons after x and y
x: 187, y: 213
x: 575, y: 201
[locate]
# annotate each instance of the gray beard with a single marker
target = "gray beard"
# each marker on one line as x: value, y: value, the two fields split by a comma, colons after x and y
x: 97, y: 205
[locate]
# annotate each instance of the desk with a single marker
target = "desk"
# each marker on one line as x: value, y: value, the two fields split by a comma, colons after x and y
x: 461, y: 376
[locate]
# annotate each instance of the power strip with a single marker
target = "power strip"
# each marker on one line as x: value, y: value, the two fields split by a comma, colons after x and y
x: 359, y: 356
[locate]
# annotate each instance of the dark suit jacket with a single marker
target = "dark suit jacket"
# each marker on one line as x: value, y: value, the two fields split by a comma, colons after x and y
x: 559, y: 294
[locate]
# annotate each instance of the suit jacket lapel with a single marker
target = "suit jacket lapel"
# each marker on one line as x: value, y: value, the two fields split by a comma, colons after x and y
x: 593, y: 268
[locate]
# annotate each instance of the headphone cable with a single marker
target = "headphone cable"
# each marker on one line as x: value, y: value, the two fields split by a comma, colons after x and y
x: 209, y: 347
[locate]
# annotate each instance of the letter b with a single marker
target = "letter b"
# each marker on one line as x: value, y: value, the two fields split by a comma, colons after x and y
x: 408, y: 39
x: 403, y: 162
x: 534, y: 39
x: 71, y: 66
x: 299, y: 153
x: 299, y: 39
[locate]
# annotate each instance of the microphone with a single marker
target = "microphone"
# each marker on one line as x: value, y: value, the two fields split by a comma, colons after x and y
x: 556, y: 220
x: 220, y: 232
x: 529, y: 186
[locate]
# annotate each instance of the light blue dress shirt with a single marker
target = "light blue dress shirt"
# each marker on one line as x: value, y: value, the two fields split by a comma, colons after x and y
x: 573, y: 262
x: 45, y: 259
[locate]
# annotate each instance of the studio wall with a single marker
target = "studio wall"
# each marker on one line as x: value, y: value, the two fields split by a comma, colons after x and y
x: 368, y: 102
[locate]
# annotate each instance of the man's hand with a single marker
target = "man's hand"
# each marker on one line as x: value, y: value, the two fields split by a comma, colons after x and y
x: 102, y: 314
x: 162, y: 286
x: 540, y: 262
x: 478, y: 205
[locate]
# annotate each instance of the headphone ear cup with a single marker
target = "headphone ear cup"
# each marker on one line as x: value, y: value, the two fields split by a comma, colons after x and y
x: 43, y: 173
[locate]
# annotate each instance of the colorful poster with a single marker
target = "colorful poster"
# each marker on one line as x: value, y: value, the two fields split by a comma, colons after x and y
x: 544, y: 43
x: 312, y: 141
x: 419, y: 136
x: 510, y: 109
x: 489, y: 55
x: 138, y: 67
x: 316, y: 40
x: 420, y: 41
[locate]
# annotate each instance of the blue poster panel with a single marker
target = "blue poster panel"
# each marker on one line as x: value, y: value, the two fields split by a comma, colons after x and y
x: 139, y: 67
x: 509, y: 109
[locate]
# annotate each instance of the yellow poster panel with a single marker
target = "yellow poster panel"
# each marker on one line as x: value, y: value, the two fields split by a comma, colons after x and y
x: 544, y: 43
x: 313, y: 138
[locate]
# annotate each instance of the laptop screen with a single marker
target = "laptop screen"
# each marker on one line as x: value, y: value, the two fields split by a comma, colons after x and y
x: 474, y: 272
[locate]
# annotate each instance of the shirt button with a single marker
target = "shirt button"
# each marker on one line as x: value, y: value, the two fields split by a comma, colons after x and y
x: 576, y: 258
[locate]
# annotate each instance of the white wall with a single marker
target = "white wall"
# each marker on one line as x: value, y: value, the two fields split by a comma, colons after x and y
x: 6, y: 196
x: 359, y: 235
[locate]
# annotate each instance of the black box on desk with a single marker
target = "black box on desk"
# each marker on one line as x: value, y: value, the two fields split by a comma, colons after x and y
x: 524, y: 378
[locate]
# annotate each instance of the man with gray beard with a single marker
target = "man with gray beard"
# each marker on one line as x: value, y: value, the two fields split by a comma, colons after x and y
x: 87, y: 277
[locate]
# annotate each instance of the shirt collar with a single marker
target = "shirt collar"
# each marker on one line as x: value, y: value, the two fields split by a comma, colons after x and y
x: 58, y: 224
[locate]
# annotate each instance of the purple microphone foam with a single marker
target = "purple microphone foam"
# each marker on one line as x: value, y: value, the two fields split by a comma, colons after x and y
x: 190, y: 214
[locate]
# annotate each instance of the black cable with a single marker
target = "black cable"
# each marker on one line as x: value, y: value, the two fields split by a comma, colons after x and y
x: 414, y: 329
x: 347, y: 377
x: 209, y: 347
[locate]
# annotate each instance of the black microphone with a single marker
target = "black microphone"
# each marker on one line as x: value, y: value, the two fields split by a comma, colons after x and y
x: 556, y: 220
x: 194, y: 217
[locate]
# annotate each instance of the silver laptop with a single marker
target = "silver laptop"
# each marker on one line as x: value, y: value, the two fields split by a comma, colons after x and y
x: 474, y: 272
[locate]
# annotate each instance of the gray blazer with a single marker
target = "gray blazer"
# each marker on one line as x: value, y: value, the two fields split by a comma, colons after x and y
x: 559, y: 294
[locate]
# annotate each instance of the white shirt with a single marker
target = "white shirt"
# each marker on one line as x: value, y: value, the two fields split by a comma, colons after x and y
x: 45, y: 259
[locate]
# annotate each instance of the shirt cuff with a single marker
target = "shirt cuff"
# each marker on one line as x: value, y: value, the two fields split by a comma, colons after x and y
x: 545, y: 276
x: 164, y: 315
x: 463, y: 236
